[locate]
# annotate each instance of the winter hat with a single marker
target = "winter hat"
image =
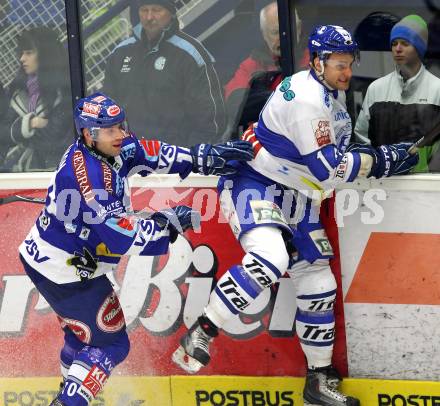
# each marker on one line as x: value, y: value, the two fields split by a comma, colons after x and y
x: 413, y: 29
x: 168, y: 4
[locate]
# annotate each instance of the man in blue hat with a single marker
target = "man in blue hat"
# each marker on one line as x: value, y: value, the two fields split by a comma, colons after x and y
x: 166, y: 79
x: 405, y: 104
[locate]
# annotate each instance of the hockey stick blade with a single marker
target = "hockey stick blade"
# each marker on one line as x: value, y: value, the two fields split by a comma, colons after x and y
x: 427, y: 139
x: 18, y: 198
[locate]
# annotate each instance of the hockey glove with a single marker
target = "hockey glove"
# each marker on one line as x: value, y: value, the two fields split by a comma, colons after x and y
x: 177, y: 220
x: 388, y: 160
x: 215, y: 159
x: 84, y: 263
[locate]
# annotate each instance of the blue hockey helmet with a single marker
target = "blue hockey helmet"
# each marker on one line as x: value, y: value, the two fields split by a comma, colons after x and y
x: 327, y: 39
x: 97, y: 111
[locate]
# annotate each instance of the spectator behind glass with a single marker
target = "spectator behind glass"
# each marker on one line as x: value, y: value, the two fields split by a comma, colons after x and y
x: 405, y: 104
x: 166, y: 80
x: 259, y: 74
x: 256, y: 77
x: 36, y: 128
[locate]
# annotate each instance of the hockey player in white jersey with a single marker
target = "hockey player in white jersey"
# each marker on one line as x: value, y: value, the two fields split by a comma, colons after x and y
x: 86, y: 226
x: 302, y: 152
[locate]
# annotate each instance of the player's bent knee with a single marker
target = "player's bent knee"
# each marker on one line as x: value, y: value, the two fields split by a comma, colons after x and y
x: 262, y: 271
x: 268, y: 244
x: 265, y: 262
x: 241, y: 285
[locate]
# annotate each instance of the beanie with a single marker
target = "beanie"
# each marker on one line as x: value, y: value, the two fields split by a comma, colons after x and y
x: 168, y: 4
x: 413, y: 29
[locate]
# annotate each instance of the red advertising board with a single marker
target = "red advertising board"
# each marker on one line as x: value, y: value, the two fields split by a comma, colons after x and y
x: 160, y: 296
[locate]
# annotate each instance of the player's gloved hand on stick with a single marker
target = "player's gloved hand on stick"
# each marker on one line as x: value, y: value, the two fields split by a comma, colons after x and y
x: 388, y: 160
x: 214, y: 159
x: 177, y: 219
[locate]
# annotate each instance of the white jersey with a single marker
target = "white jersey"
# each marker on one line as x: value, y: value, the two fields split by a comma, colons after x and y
x: 304, y: 130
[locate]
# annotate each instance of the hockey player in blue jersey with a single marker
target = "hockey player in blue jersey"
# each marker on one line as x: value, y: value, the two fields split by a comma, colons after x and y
x: 272, y: 203
x: 86, y: 226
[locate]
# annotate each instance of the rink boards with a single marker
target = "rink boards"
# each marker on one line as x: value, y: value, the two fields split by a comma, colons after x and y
x: 387, y: 322
x: 219, y: 391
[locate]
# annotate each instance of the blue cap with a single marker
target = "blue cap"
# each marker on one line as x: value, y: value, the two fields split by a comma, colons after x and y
x: 413, y: 29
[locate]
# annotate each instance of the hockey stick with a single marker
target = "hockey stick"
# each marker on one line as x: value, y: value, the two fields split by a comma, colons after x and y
x: 427, y: 139
x: 40, y: 200
x: 29, y: 199
x: 18, y: 198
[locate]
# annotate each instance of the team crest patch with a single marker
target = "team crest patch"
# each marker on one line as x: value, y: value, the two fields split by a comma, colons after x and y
x: 80, y: 329
x: 110, y: 317
x: 159, y: 63
x: 321, y: 129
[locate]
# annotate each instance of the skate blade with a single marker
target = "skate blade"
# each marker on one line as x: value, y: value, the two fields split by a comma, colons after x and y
x: 184, y: 361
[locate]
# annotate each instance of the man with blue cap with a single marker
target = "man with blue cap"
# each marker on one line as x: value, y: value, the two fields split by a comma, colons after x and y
x: 405, y: 104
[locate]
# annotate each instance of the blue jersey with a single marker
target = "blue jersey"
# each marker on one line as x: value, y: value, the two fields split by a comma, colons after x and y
x: 302, y: 135
x: 87, y: 211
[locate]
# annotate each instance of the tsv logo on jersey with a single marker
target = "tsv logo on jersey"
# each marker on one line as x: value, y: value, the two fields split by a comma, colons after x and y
x: 167, y: 155
x: 128, y: 151
x: 34, y: 252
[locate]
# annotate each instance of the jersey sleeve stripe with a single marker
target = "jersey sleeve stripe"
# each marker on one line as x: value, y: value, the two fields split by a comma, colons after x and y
x: 276, y: 144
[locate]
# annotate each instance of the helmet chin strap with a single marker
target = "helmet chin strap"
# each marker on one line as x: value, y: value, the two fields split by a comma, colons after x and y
x: 320, y: 74
x: 96, y: 152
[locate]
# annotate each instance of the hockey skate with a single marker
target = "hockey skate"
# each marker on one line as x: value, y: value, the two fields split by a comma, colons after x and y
x: 193, y: 352
x: 321, y: 389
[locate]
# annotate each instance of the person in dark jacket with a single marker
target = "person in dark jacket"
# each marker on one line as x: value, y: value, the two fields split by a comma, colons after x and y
x: 36, y: 128
x: 259, y: 74
x: 256, y: 77
x: 166, y: 80
x: 405, y: 104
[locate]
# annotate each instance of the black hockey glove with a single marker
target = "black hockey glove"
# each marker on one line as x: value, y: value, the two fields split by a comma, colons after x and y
x: 388, y: 160
x: 215, y: 159
x: 177, y: 219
